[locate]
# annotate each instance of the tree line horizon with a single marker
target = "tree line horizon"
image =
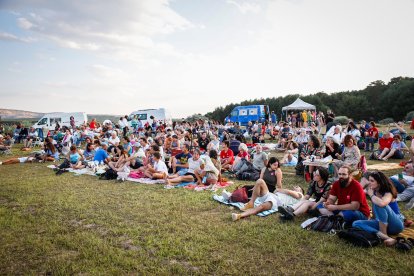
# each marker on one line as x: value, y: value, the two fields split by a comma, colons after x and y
x: 378, y: 101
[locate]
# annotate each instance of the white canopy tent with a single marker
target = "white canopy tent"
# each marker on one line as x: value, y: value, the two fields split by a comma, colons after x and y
x: 299, y: 105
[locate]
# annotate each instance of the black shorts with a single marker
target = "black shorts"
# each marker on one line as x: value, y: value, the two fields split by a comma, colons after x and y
x: 193, y: 175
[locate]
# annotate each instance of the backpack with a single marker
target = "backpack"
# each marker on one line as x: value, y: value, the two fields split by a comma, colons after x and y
x: 110, y: 174
x: 327, y: 224
x: 359, y: 237
x: 64, y: 165
x: 239, y: 195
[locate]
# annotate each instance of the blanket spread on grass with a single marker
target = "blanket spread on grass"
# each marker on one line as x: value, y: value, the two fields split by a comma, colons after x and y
x: 384, y: 166
x: 240, y: 205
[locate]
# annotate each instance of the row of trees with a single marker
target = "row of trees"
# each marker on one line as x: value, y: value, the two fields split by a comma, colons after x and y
x: 379, y: 100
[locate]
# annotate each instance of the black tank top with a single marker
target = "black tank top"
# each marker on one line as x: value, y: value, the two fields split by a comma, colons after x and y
x: 269, y: 176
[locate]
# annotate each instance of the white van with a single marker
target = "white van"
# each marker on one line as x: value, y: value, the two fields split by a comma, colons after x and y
x: 49, y: 120
x: 160, y: 114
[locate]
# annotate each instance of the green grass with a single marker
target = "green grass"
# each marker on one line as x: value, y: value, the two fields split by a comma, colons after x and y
x: 80, y: 225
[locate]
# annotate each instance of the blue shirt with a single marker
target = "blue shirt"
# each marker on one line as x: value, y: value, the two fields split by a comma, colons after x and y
x: 100, y: 155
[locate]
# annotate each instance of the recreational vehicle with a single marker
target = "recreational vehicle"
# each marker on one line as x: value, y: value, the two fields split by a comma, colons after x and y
x: 148, y: 115
x: 49, y: 120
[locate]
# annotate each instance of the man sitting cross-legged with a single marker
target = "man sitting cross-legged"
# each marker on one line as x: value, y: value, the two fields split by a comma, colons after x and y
x: 352, y: 204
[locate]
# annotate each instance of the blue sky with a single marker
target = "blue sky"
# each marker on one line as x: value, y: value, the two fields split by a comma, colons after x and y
x: 191, y: 56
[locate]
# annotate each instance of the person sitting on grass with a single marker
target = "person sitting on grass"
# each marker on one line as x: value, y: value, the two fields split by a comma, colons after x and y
x: 226, y: 156
x: 180, y: 161
x: 121, y: 162
x: 89, y: 152
x: 268, y: 200
x: 159, y: 170
x: 346, y: 198
x: 397, y: 149
x: 350, y: 156
x: 332, y: 148
x: 388, y: 219
x: 75, y: 158
x: 319, y: 188
x: 101, y: 152
x: 51, y: 153
x: 371, y: 137
x: 27, y: 142
x: 291, y: 156
x: 211, y: 171
x: 195, y: 164
x: 242, y: 157
x: 384, y: 145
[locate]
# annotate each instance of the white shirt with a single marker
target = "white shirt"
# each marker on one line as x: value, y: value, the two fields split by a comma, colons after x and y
x: 113, y: 141
x: 160, y: 166
x: 194, y: 165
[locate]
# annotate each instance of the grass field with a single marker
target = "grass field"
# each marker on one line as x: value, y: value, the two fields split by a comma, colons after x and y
x: 81, y: 225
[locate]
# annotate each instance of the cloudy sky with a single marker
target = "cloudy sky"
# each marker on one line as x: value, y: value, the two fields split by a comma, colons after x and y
x: 190, y: 56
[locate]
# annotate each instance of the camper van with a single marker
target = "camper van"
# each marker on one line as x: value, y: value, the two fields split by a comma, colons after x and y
x: 49, y: 120
x: 146, y: 115
x: 244, y: 114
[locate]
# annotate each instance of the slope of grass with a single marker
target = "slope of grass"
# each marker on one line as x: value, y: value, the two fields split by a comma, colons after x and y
x: 78, y: 224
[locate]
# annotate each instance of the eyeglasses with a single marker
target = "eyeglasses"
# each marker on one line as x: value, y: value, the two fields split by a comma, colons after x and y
x: 342, y: 174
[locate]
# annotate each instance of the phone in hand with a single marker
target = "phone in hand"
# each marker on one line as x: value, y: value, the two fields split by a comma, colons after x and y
x: 400, y: 176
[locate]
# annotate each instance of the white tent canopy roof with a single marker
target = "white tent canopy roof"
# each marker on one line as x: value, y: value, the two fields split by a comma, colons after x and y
x: 299, y: 105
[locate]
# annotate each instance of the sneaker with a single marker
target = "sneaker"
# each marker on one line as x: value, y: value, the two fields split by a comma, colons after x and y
x: 235, y: 216
x: 247, y: 206
x: 286, y: 213
x: 1, y: 162
x: 226, y: 195
x: 407, y: 223
x: 410, y: 204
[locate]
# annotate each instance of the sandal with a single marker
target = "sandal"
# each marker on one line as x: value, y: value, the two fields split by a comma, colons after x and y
x: 403, y: 244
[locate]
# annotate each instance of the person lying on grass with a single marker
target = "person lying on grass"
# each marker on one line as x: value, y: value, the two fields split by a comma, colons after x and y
x: 17, y: 160
x: 195, y: 163
x: 388, y: 219
x: 318, y: 188
x: 159, y: 170
x: 268, y: 200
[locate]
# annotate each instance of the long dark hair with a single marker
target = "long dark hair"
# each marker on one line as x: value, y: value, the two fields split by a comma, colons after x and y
x: 324, y: 173
x: 384, y: 183
x: 315, y: 141
x: 273, y: 160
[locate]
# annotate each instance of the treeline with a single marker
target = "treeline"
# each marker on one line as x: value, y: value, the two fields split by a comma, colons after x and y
x: 379, y: 100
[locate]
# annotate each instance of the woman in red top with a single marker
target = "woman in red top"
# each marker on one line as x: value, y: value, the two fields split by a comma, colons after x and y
x: 243, y: 154
x: 371, y: 137
x: 92, y: 125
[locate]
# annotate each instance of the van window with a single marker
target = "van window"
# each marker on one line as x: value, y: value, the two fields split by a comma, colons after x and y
x: 243, y: 112
x: 141, y: 116
x: 234, y: 113
x: 253, y: 111
x: 55, y: 120
x: 42, y: 122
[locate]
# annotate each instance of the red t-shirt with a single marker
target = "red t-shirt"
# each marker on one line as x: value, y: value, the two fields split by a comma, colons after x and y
x: 373, y: 132
x: 385, y: 143
x: 353, y: 192
x: 92, y: 125
x: 243, y: 155
x: 229, y: 155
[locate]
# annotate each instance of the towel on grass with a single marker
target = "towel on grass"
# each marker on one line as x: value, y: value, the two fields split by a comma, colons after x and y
x: 384, y: 166
x: 240, y: 205
x: 208, y: 187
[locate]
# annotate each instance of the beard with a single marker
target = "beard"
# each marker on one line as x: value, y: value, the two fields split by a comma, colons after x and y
x: 343, y: 182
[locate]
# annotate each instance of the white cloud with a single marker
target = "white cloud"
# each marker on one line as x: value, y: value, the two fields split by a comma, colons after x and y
x: 245, y: 7
x: 11, y: 37
x: 24, y: 23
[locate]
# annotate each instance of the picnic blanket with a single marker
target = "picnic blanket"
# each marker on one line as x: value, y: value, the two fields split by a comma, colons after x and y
x: 384, y: 166
x: 240, y: 205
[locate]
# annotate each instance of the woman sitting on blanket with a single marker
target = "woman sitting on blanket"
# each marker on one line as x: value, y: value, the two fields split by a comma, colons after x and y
x: 243, y: 154
x: 211, y: 172
x: 319, y: 188
x: 75, y: 158
x: 51, y: 153
x: 268, y: 200
x: 388, y: 219
x: 121, y: 162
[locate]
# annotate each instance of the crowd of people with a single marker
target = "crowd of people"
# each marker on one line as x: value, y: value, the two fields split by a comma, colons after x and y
x: 201, y: 152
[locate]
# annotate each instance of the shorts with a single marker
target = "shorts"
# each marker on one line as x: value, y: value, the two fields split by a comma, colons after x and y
x: 193, y: 175
x: 269, y: 197
x: 22, y: 159
x: 182, y: 172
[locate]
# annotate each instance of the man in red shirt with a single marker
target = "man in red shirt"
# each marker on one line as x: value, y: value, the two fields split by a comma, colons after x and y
x: 384, y: 143
x: 352, y: 204
x: 226, y: 156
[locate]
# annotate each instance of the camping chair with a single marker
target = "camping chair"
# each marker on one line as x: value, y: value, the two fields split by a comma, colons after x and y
x: 37, y: 142
x: 8, y: 151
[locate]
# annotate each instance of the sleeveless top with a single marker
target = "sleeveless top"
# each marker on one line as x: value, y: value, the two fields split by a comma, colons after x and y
x: 269, y: 176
